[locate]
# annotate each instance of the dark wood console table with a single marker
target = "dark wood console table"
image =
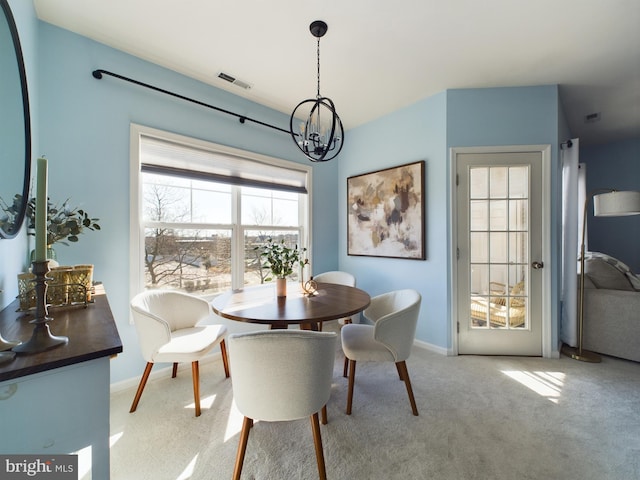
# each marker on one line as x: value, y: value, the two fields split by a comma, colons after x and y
x: 57, y: 401
x: 91, y: 330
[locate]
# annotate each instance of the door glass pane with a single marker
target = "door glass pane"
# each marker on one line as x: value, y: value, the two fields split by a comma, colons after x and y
x: 518, y: 299
x: 518, y: 247
x: 499, y: 248
x: 480, y: 280
x: 479, y: 215
x: 498, y: 182
x: 518, y: 214
x: 518, y: 279
x: 479, y: 247
x: 518, y: 182
x: 479, y: 182
x: 518, y: 295
x: 499, y: 278
x: 498, y: 215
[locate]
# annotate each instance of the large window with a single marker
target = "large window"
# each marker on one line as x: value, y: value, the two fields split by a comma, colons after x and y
x: 202, y: 209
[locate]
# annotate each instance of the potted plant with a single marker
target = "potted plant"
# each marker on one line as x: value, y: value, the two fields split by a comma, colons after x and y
x: 280, y: 259
x: 64, y: 223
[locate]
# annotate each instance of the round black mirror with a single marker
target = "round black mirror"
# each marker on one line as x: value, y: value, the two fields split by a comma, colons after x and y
x: 15, y: 128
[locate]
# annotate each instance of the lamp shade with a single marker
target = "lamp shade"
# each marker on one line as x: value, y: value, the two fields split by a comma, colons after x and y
x: 616, y: 204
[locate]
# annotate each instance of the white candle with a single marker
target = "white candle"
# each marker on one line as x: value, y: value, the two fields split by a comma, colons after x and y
x: 41, y: 211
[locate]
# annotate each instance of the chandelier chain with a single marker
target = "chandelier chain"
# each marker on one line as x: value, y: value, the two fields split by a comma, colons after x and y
x: 318, y: 96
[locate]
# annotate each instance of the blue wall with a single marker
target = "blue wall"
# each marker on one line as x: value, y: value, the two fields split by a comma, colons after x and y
x: 84, y: 132
x: 614, y: 165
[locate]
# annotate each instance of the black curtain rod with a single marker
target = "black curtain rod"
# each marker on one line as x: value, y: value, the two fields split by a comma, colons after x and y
x: 98, y: 75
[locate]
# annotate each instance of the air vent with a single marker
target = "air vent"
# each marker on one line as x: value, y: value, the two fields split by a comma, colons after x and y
x: 234, y: 80
x: 592, y: 117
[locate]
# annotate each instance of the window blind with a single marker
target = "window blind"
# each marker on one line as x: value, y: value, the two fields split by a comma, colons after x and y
x: 188, y: 161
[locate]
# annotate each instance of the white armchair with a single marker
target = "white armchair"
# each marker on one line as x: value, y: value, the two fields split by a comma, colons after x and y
x: 389, y: 339
x: 167, y: 323
x: 281, y: 375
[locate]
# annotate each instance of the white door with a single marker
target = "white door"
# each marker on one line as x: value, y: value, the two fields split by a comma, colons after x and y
x: 500, y: 243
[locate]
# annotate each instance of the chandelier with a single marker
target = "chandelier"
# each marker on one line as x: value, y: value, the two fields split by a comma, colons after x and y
x: 320, y: 135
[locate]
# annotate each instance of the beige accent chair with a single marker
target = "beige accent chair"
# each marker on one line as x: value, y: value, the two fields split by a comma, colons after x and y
x: 281, y: 375
x: 394, y: 316
x: 169, y: 330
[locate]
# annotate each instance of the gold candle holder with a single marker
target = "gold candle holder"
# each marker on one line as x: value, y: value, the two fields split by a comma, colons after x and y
x: 81, y: 278
x: 58, y: 286
x: 26, y: 292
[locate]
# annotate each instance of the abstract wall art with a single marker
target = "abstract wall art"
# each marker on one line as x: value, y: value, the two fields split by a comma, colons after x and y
x: 385, y: 215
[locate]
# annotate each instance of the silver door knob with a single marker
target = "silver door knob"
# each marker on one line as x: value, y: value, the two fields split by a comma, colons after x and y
x: 537, y: 265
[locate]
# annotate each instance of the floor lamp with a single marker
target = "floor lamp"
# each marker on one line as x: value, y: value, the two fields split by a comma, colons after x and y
x: 606, y: 203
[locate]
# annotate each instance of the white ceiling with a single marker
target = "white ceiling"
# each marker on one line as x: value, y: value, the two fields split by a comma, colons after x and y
x: 379, y: 56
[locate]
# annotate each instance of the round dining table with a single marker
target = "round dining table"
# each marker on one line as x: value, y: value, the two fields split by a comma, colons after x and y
x: 259, y: 304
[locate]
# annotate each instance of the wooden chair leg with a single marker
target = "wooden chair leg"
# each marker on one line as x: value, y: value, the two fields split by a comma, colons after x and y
x: 174, y: 372
x: 242, y: 447
x: 404, y: 374
x: 225, y: 358
x: 352, y: 376
x: 345, y: 369
x: 195, y: 369
x: 399, y: 372
x: 143, y: 382
x: 324, y: 415
x: 317, y: 440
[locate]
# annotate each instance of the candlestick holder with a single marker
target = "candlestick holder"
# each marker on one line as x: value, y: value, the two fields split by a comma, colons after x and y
x: 41, y: 338
x: 7, y: 344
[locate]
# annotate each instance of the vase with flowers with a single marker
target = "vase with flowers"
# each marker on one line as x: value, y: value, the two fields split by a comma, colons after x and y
x: 280, y: 260
x: 64, y: 224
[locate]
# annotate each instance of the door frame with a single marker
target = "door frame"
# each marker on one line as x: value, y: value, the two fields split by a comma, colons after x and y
x: 545, y: 152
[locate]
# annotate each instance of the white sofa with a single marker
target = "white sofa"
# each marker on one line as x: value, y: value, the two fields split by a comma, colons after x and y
x: 611, y: 308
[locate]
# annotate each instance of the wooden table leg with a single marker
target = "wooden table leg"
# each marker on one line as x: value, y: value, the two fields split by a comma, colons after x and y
x: 309, y: 326
x: 278, y: 326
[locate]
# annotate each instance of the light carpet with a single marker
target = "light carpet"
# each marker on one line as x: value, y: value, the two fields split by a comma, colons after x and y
x: 497, y: 418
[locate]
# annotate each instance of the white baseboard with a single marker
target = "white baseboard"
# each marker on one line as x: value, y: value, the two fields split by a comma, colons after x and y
x: 431, y: 347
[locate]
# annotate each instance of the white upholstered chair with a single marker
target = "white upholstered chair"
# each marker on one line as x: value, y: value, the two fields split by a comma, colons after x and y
x: 340, y: 278
x: 168, y: 329
x: 280, y: 375
x: 389, y: 339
